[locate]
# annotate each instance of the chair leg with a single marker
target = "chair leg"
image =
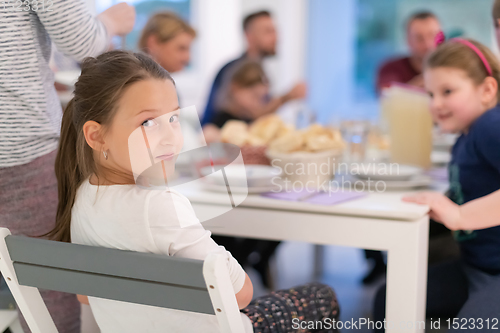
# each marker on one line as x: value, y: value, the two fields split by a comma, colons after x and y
x: 7, y: 318
x: 16, y: 327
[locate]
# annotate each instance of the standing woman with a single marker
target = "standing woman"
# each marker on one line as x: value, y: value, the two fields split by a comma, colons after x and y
x: 167, y: 38
x: 30, y: 114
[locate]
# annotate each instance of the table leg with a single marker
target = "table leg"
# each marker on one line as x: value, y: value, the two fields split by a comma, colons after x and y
x: 319, y: 255
x: 407, y: 279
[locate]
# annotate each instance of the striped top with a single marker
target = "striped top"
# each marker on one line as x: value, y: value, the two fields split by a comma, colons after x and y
x: 30, y: 111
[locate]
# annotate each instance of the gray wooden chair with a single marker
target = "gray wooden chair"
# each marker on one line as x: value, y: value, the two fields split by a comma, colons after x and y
x: 144, y: 278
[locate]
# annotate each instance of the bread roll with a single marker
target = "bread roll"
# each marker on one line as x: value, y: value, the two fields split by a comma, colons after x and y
x: 288, y: 143
x: 235, y: 132
x: 255, y: 141
x: 266, y: 127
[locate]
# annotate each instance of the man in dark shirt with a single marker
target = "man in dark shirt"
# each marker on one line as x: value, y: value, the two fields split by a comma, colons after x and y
x: 421, y: 30
x: 261, y: 38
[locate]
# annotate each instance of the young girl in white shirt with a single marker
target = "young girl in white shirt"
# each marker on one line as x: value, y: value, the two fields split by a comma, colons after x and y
x: 117, y: 94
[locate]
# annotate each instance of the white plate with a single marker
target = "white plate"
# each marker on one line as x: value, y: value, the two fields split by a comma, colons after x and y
x: 241, y: 175
x: 444, y: 141
x: 440, y: 157
x: 238, y: 190
x: 414, y: 182
x: 385, y: 171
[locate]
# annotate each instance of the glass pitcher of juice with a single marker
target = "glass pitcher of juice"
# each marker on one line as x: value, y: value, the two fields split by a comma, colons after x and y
x: 406, y: 112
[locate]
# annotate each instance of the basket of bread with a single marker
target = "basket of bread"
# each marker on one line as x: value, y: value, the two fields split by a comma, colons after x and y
x: 254, y: 139
x: 307, y: 155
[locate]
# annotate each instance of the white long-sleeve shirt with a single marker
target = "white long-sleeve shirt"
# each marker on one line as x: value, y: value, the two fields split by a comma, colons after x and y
x: 30, y: 111
x: 127, y: 217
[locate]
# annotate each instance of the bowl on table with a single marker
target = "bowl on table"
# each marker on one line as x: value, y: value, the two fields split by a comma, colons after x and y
x: 306, y: 169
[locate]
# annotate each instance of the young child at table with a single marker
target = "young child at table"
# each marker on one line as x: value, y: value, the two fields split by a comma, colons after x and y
x: 120, y: 93
x: 462, y: 78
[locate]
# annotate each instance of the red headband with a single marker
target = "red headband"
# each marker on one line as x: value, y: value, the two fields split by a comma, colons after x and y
x: 440, y: 38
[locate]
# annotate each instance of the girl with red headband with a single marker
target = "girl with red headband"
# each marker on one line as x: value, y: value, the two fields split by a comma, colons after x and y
x: 462, y: 78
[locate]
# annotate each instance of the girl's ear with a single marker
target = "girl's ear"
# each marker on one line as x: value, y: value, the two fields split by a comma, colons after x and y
x: 490, y: 89
x: 94, y: 135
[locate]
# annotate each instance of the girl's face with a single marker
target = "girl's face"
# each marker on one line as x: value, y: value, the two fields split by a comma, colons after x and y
x: 456, y: 102
x: 147, y: 119
x: 250, y: 100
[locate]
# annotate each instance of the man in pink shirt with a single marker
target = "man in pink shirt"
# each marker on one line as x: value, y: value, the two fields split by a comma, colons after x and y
x: 421, y: 29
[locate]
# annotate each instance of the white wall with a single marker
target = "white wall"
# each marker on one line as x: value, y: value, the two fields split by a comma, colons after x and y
x: 288, y: 66
x: 218, y: 40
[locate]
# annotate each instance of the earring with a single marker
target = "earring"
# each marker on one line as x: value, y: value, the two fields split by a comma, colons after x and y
x: 105, y: 155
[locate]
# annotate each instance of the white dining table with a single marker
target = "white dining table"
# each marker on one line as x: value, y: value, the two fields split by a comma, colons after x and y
x: 378, y: 221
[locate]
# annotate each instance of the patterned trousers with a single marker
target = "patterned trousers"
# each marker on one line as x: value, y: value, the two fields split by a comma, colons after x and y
x: 286, y: 311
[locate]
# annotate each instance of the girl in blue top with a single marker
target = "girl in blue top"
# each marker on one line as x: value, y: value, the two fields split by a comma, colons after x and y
x: 462, y: 78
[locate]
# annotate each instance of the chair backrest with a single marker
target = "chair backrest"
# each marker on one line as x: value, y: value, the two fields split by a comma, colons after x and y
x: 136, y: 277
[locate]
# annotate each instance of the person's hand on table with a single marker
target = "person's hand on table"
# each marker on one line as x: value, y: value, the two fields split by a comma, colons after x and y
x: 442, y: 209
x: 118, y: 19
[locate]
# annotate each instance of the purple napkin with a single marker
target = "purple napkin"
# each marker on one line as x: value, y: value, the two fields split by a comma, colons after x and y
x: 290, y: 195
x: 332, y: 198
x: 439, y: 174
x: 318, y: 198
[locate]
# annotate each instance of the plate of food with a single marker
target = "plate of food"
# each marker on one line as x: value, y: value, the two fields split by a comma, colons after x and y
x: 382, y: 185
x: 239, y: 190
x: 252, y: 176
x: 385, y: 171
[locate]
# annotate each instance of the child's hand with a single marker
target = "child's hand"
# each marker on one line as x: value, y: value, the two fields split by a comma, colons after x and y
x: 83, y: 299
x: 443, y: 210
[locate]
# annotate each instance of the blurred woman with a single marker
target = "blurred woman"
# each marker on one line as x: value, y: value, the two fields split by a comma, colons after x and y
x: 167, y: 38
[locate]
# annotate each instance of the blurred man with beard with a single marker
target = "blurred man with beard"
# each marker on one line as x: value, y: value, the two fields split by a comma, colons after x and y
x: 261, y: 38
x: 421, y: 30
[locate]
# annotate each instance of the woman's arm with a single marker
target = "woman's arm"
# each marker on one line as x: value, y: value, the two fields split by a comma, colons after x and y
x: 476, y: 214
x: 79, y: 34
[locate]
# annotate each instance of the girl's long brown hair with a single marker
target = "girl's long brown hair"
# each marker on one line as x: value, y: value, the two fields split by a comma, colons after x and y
x: 97, y: 91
